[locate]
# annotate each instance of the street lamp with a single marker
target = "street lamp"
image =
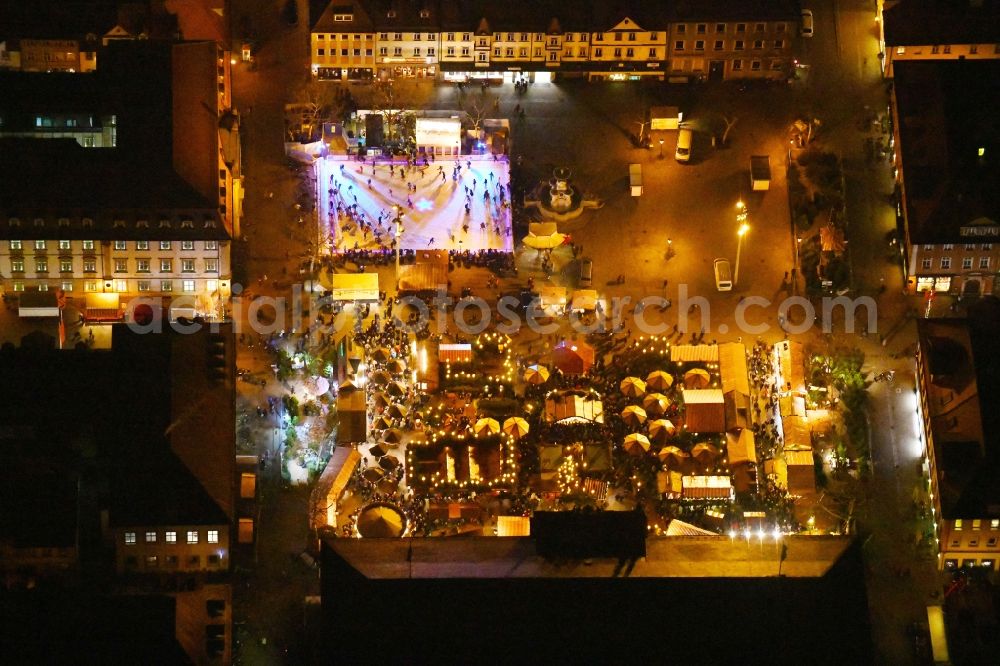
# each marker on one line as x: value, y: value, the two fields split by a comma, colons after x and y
x: 741, y: 220
x: 661, y: 149
x: 398, y: 221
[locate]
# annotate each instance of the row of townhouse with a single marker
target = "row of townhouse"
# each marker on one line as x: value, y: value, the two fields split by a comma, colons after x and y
x: 717, y: 40
x: 933, y: 30
x: 944, y: 60
x: 156, y: 254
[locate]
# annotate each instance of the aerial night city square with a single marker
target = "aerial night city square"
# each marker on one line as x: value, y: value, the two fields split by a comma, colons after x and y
x: 482, y: 332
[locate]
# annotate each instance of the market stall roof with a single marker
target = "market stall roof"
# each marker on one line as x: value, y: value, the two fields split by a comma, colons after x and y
x: 694, y: 353
x: 584, y: 300
x: 429, y: 272
x: 792, y: 365
x: 573, y: 357
x: 332, y: 483
x: 740, y: 447
x: 455, y: 353
x: 704, y: 410
x: 513, y: 526
x: 38, y: 304
x: 102, y: 307
x: 353, y: 417
x: 543, y: 236
x: 552, y: 299
x: 733, y: 367
x: 680, y: 528
x: 381, y: 521
x: 574, y: 408
x: 800, y: 471
x: 354, y: 287
x: 706, y: 487
x: 795, y: 433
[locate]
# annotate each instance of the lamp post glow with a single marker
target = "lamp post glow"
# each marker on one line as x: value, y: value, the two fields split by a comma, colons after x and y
x: 398, y: 221
x: 661, y: 149
x: 741, y: 219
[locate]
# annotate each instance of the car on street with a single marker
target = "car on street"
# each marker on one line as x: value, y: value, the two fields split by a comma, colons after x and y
x: 586, y: 272
x: 723, y: 275
x: 807, y: 23
x: 684, y: 139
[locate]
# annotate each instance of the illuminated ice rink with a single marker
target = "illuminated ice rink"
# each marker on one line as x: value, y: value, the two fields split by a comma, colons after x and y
x: 434, y: 213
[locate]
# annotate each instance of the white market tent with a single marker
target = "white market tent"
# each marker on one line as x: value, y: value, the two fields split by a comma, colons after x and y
x: 355, y: 287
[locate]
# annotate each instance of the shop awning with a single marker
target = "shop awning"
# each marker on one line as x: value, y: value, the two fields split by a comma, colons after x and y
x: 584, y: 300
x: 355, y: 287
x: 706, y: 487
x: 102, y: 307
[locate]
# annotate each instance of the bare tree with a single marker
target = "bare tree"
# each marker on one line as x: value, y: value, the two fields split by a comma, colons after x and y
x: 315, y: 103
x: 729, y: 123
x: 395, y: 102
x: 477, y: 107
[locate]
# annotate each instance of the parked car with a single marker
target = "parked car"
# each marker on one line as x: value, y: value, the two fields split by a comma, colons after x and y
x: 684, y: 140
x: 807, y: 23
x: 586, y: 272
x: 723, y: 275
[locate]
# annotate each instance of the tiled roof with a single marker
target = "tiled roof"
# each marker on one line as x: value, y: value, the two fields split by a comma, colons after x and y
x: 922, y: 22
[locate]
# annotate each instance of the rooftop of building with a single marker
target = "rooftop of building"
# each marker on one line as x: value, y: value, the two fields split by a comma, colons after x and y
x: 935, y: 22
x: 156, y: 171
x: 542, y: 16
x: 963, y: 367
x: 688, y: 598
x: 46, y: 625
x: 950, y: 142
x: 156, y: 411
x: 86, y: 20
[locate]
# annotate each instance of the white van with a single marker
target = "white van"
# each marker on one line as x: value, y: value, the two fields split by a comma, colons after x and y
x: 684, y: 138
x: 723, y: 275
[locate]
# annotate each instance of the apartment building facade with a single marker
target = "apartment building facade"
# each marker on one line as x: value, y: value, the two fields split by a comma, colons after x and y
x: 933, y: 30
x: 947, y: 204
x: 959, y: 443
x: 491, y: 40
x: 183, y: 258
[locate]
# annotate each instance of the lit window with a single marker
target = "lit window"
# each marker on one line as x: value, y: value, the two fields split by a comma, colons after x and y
x: 143, y: 285
x: 166, y: 285
x: 150, y: 537
x: 121, y: 245
x: 15, y: 245
x: 41, y: 265
x: 121, y: 265
x: 192, y: 536
x: 945, y: 262
x: 121, y: 286
x: 89, y: 265
x: 164, y: 245
x: 88, y: 244
x: 18, y: 286
x: 966, y: 263
x: 65, y: 265
x: 166, y: 265
x: 187, y: 265
x: 984, y: 262
x: 958, y: 525
x: 17, y: 265
x: 152, y: 562
x: 142, y: 245
x: 64, y: 245
x: 130, y: 538
x: 187, y: 245
x: 188, y: 286
x: 213, y: 536
x: 995, y: 524
x: 66, y: 286
x: 39, y: 245
x: 976, y: 524
x: 170, y: 536
x: 142, y: 265
x: 89, y: 285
